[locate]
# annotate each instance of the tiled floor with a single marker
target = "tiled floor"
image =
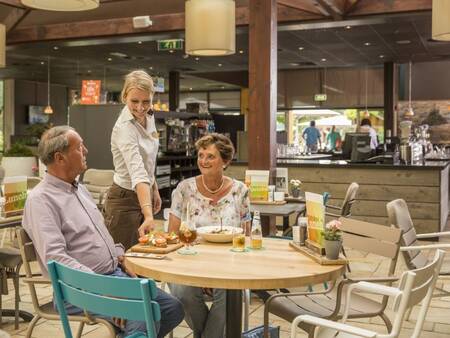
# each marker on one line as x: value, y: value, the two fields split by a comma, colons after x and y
x: 436, y: 325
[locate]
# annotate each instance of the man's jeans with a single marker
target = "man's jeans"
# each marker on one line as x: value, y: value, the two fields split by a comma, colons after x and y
x: 172, y: 313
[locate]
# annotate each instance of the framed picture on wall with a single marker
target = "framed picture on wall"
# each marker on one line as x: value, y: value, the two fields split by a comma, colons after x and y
x: 281, y: 180
x: 36, y: 115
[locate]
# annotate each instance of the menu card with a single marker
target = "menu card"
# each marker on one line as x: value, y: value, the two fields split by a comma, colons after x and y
x: 315, y: 211
x: 15, y: 190
x: 258, y: 183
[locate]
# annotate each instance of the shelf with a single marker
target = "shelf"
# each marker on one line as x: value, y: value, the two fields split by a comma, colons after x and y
x: 180, y: 115
x: 174, y: 169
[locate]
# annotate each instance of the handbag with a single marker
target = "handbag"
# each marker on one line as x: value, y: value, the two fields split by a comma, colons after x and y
x: 258, y: 332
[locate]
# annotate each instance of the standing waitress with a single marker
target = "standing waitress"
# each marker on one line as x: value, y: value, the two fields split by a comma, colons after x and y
x: 134, y: 198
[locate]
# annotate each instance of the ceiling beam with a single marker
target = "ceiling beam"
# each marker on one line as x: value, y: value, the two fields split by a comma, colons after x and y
x: 370, y: 7
x: 15, y: 16
x: 304, y: 6
x: 331, y: 8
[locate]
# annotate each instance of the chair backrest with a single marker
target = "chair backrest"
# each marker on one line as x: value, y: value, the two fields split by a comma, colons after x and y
x: 98, y: 181
x: 33, y: 181
x: 416, y: 286
x: 399, y: 217
x: 368, y: 237
x: 128, y: 298
x: 28, y: 253
x: 349, y: 199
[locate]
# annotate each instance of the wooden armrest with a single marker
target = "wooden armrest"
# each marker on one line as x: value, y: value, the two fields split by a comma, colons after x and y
x: 333, y: 207
x: 384, y: 279
x: 426, y: 247
x: 433, y: 234
x: 37, y: 280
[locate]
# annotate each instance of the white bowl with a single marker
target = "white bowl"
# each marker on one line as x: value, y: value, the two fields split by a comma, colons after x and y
x: 207, y: 233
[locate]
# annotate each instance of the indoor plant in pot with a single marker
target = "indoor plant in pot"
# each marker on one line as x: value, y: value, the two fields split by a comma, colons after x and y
x: 295, y: 188
x: 18, y: 160
x: 332, y: 239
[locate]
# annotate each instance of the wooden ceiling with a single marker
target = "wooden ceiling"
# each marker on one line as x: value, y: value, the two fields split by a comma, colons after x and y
x: 102, y: 43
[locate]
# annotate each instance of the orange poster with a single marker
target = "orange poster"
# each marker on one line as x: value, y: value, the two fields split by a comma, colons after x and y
x: 90, y: 91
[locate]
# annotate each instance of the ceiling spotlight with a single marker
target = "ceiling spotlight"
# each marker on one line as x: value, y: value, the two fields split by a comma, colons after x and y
x: 42, y: 63
x: 294, y: 64
x: 151, y: 68
x: 323, y: 59
x: 222, y: 87
x: 403, y: 42
x: 185, y: 56
x: 89, y: 71
x: 109, y: 59
x: 301, y: 48
x: 381, y: 56
x: 241, y: 52
x: 366, y: 43
x: 55, y: 47
x: 348, y: 27
x: 197, y: 58
x: 140, y: 42
x: 220, y: 65
x: 190, y: 88
x: 171, y: 51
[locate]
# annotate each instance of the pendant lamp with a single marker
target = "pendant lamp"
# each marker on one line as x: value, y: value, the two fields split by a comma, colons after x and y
x: 62, y: 5
x: 48, y: 109
x: 2, y: 46
x: 410, y: 111
x: 210, y: 27
x: 440, y: 28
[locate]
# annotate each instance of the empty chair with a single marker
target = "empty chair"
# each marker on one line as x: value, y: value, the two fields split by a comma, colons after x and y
x: 119, y: 297
x: 98, y: 181
x: 415, y: 286
x: 329, y: 304
x: 32, y: 182
x: 349, y: 199
x: 46, y: 310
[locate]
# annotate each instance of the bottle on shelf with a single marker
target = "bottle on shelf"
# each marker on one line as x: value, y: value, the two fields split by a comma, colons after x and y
x: 256, y: 233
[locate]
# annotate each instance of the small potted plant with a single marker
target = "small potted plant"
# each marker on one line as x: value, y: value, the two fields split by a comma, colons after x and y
x: 332, y: 239
x: 18, y: 160
x: 295, y: 188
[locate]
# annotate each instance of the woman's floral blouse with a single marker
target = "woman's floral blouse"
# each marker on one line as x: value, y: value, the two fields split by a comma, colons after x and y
x: 233, y: 208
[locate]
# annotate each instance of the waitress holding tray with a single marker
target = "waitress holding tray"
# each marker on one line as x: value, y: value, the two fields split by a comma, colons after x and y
x: 133, y: 198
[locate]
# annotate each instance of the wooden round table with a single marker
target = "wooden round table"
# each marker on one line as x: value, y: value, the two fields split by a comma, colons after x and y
x: 216, y: 266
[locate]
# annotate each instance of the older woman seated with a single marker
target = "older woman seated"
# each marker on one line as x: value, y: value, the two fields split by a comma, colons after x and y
x: 212, y: 198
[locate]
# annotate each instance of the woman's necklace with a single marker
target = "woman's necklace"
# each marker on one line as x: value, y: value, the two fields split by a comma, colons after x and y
x: 213, y: 191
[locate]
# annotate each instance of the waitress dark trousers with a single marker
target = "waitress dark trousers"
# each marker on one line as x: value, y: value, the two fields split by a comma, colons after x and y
x: 123, y: 215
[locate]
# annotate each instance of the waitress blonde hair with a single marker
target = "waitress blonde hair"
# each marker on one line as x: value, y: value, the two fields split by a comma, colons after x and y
x: 137, y: 79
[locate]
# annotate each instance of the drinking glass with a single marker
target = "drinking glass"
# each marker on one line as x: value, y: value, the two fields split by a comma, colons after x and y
x: 238, y: 239
x: 187, y: 235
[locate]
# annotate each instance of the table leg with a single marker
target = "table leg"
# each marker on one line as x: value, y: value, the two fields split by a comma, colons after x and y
x: 285, y: 223
x: 234, y: 314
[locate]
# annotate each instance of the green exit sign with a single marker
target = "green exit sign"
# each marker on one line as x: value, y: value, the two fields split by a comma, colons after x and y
x: 170, y: 44
x: 320, y: 97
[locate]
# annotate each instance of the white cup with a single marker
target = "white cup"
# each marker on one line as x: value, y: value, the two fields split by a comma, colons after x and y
x: 296, y: 234
x: 278, y: 196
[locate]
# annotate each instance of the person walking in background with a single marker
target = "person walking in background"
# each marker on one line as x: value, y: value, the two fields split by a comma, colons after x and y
x: 133, y: 198
x: 333, y: 139
x: 312, y: 138
x: 366, y: 127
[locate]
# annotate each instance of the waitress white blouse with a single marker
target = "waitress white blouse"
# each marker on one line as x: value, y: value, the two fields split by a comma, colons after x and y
x: 134, y: 149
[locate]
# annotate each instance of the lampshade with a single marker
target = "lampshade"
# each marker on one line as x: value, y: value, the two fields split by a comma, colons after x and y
x: 62, y: 5
x: 2, y: 46
x: 410, y: 111
x: 48, y: 109
x: 210, y: 27
x: 440, y: 29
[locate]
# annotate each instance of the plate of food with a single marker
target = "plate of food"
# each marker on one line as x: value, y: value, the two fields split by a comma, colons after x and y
x: 157, y: 242
x: 216, y: 234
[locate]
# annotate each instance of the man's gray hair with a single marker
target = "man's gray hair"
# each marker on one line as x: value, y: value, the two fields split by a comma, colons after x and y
x: 52, y: 141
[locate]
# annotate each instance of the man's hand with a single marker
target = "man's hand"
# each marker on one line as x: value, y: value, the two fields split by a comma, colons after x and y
x: 147, y: 226
x: 156, y: 201
x: 119, y: 322
x: 123, y: 265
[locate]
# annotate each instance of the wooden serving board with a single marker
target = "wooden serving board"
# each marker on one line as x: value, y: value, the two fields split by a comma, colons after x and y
x: 268, y: 203
x: 155, y: 249
x: 322, y: 260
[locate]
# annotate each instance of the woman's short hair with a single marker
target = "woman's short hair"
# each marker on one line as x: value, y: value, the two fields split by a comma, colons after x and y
x: 52, y: 141
x: 222, y: 143
x: 137, y: 79
x: 366, y: 122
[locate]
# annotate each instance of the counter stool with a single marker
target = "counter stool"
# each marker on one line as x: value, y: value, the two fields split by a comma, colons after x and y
x: 10, y: 263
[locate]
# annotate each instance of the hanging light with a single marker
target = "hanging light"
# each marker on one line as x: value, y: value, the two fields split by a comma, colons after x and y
x: 210, y: 27
x: 410, y: 111
x: 2, y: 46
x: 62, y: 5
x: 440, y: 27
x: 48, y: 109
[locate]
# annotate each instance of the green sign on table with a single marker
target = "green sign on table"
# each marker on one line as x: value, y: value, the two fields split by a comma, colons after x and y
x: 170, y: 44
x: 320, y: 97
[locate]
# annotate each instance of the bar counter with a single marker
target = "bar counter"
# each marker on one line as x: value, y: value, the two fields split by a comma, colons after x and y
x: 425, y: 187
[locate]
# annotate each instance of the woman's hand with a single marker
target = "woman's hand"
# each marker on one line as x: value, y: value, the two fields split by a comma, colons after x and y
x: 156, y: 201
x: 147, y: 226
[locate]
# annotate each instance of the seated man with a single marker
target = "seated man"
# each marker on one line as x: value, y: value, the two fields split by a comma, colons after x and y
x: 65, y: 225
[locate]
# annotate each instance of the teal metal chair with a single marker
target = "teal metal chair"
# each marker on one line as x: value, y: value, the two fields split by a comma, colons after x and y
x: 119, y: 297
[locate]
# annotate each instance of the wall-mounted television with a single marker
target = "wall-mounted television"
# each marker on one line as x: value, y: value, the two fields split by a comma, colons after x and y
x: 36, y: 115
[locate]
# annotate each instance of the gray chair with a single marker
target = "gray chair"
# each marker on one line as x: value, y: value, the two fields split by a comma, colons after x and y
x: 329, y: 304
x: 345, y: 209
x: 98, y: 181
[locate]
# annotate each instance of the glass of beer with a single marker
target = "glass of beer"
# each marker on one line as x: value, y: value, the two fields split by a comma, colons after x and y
x: 187, y: 235
x: 238, y: 239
